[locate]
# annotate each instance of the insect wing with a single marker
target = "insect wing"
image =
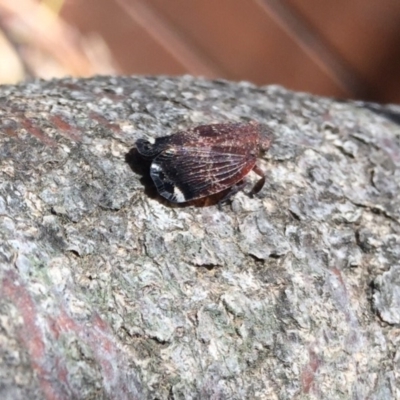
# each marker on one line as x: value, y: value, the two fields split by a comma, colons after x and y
x: 183, y: 173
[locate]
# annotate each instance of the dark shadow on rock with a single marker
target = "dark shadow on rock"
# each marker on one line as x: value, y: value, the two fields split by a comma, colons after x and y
x: 384, y: 111
x: 141, y: 166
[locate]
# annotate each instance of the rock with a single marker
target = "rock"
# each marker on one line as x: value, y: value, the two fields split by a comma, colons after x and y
x: 109, y: 291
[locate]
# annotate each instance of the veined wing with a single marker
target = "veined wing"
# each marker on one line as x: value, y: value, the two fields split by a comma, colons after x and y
x: 186, y: 173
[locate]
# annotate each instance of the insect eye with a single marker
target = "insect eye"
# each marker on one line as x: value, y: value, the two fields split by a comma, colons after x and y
x: 146, y: 148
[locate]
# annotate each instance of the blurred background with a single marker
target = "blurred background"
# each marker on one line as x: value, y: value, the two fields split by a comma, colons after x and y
x: 341, y: 48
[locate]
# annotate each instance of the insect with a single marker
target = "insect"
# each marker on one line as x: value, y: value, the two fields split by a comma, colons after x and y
x: 204, y: 160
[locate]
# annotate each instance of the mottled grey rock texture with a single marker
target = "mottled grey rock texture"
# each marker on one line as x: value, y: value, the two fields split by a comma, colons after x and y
x: 108, y: 291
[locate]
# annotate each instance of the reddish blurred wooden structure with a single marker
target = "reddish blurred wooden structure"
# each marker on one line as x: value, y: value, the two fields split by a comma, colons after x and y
x: 345, y: 48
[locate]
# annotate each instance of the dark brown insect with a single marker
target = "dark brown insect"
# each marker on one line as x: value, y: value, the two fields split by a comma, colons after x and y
x: 204, y: 160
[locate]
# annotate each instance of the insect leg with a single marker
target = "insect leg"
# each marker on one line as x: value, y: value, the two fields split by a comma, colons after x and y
x: 232, y: 191
x: 260, y: 183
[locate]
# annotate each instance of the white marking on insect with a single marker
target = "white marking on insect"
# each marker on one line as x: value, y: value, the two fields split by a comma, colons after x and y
x: 155, y: 167
x: 179, y: 196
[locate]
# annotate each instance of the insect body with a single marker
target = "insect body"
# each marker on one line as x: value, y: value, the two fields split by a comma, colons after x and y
x: 204, y: 160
